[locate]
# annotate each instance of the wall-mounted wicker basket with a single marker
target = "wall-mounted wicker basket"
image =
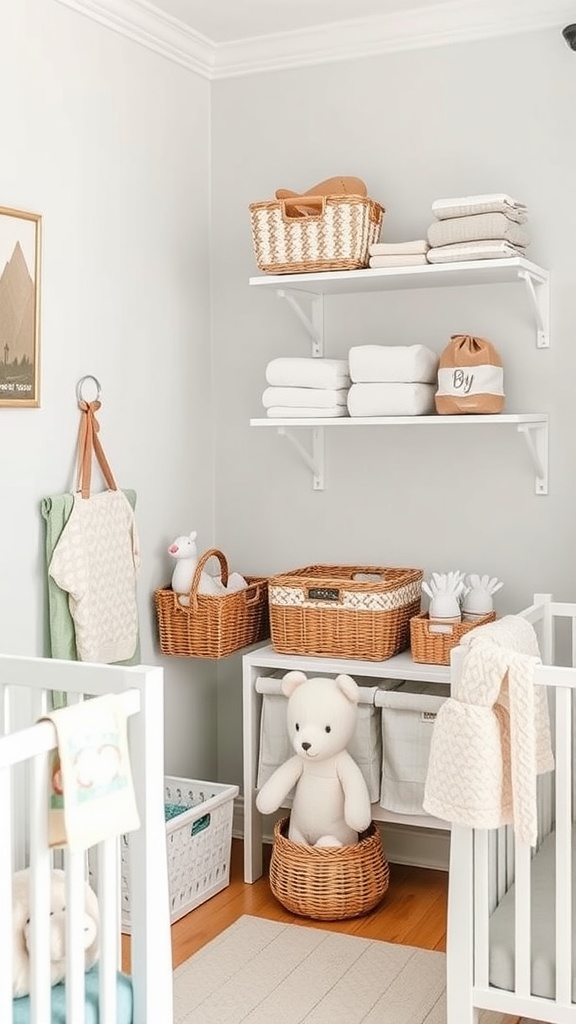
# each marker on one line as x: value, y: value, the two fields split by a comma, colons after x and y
x: 328, y: 883
x: 328, y: 610
x: 431, y: 642
x: 336, y: 233
x: 212, y: 626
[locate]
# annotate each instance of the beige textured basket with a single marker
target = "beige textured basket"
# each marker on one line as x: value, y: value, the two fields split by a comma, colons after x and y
x: 212, y: 626
x: 328, y: 883
x: 325, y: 610
x: 431, y: 643
x: 335, y: 235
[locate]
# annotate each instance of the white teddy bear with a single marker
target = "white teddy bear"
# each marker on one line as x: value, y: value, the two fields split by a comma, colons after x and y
x: 331, y: 804
x: 21, y: 929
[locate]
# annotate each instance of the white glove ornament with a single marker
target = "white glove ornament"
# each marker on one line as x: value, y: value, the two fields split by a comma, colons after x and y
x: 478, y: 596
x: 444, y: 591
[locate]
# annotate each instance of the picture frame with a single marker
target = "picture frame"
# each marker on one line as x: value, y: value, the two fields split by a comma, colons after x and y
x: 20, y: 267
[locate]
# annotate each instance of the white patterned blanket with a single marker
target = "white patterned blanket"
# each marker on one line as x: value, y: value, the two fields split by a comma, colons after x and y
x: 492, y: 736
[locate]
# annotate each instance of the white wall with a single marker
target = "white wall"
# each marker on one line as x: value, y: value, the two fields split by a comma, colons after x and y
x: 493, y: 116
x: 110, y: 143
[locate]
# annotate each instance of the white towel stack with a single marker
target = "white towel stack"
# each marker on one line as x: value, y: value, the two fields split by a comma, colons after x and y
x: 399, y: 254
x: 304, y: 388
x: 484, y: 227
x: 392, y: 380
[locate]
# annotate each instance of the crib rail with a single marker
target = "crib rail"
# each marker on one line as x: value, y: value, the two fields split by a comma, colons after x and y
x: 33, y: 746
x: 490, y: 864
x: 26, y: 692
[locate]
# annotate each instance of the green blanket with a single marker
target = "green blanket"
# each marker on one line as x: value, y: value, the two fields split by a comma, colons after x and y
x: 21, y: 1007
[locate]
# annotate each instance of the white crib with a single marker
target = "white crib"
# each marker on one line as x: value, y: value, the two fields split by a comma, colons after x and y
x: 511, y: 908
x: 26, y: 685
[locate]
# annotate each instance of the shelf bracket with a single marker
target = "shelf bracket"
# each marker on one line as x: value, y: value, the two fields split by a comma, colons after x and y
x: 539, y: 294
x: 536, y: 437
x: 314, y: 461
x: 314, y: 324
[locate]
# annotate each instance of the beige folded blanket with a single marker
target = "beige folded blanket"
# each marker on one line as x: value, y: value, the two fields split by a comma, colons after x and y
x: 305, y: 412
x: 307, y: 372
x: 493, y: 202
x: 304, y: 398
x: 414, y: 248
x: 474, y: 251
x: 481, y: 226
x: 393, y: 364
x: 391, y: 399
x: 398, y: 261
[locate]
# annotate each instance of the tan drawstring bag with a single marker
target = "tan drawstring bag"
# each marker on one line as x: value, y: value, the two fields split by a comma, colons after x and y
x: 470, y: 377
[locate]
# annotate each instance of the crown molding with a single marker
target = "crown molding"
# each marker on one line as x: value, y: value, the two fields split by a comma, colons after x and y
x: 439, y: 24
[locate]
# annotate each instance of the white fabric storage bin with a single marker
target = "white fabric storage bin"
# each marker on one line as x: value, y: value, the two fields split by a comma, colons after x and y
x: 408, y: 713
x: 275, y: 747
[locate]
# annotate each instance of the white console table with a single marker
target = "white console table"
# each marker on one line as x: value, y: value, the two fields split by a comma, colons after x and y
x: 265, y: 661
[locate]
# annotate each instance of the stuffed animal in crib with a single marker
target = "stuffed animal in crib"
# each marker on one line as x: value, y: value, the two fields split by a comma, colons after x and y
x: 21, y: 929
x: 331, y: 804
x: 184, y: 550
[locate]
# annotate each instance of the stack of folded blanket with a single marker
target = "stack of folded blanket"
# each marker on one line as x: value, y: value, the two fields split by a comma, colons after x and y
x: 392, y: 380
x: 306, y: 387
x: 482, y: 227
x: 399, y: 254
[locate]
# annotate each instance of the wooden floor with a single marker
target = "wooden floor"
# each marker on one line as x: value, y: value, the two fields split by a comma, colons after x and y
x: 413, y: 911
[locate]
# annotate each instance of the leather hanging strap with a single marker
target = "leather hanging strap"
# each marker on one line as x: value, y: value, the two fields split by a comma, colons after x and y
x: 89, y: 445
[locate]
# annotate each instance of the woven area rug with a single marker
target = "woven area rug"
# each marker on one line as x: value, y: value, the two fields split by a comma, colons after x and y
x: 264, y: 972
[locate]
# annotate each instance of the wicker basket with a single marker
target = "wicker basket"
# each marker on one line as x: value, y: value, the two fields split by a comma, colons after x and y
x: 328, y: 883
x: 325, y: 610
x: 431, y: 642
x: 212, y: 626
x: 335, y: 236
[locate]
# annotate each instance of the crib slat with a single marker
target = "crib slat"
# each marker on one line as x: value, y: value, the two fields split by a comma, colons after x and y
x: 108, y: 887
x: 522, y: 919
x: 563, y: 895
x: 39, y: 937
x: 75, y: 959
x: 6, y: 895
x: 481, y: 907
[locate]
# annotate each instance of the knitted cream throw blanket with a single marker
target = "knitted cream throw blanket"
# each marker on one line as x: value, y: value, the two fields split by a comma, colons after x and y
x: 492, y: 736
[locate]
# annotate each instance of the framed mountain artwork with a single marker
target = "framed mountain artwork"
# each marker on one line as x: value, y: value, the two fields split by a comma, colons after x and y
x: 20, y: 254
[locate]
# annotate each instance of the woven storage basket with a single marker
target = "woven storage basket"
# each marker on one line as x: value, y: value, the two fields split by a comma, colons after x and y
x: 431, y: 642
x: 212, y: 626
x: 328, y: 883
x: 324, y: 610
x: 335, y: 236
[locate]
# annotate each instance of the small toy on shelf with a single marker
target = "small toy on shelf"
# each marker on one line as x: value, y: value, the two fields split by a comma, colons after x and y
x: 184, y: 550
x: 331, y: 804
x: 478, y: 596
x: 444, y: 591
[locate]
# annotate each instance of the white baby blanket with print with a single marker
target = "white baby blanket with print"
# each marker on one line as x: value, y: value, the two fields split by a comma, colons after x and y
x: 92, y: 793
x: 481, y: 226
x: 493, y: 202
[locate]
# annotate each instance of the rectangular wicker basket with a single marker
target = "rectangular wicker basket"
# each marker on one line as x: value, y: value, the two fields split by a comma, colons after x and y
x: 212, y: 626
x: 335, y: 234
x: 329, y: 610
x: 431, y: 642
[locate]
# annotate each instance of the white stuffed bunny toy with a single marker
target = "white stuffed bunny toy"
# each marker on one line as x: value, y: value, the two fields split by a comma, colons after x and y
x: 184, y: 550
x: 331, y: 804
x: 57, y: 926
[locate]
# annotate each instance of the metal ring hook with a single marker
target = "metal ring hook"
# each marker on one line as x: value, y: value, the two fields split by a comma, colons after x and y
x: 88, y: 376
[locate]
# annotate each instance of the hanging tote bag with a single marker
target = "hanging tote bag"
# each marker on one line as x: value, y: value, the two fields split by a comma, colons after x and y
x: 470, y: 377
x: 92, y: 557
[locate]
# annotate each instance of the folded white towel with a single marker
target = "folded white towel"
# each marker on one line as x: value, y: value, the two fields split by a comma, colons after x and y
x: 398, y: 261
x: 493, y: 202
x: 307, y: 372
x: 474, y: 251
x: 481, y: 226
x: 305, y: 412
x: 413, y: 248
x: 303, y: 398
x: 393, y: 363
x: 391, y: 399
